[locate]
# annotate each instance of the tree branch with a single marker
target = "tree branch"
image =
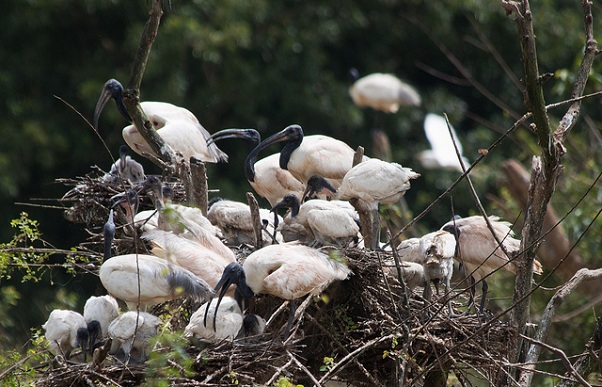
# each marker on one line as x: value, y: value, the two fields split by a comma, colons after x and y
x: 547, y: 319
x: 547, y: 167
x: 131, y: 96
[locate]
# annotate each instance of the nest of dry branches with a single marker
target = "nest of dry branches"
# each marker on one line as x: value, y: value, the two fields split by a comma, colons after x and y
x: 367, y: 330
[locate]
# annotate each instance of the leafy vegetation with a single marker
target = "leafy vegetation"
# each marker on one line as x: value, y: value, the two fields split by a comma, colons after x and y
x: 265, y: 65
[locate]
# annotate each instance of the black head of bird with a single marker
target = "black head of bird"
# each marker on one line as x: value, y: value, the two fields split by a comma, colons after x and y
x: 94, y: 330
x: 112, y: 89
x: 318, y: 185
x: 288, y: 201
x: 233, y: 274
x: 83, y: 338
x: 293, y: 134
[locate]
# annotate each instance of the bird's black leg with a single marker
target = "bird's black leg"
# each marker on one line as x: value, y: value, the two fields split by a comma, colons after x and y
x: 482, y: 305
x: 292, y: 308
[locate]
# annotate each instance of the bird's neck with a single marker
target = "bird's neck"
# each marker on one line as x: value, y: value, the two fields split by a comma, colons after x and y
x: 287, y: 151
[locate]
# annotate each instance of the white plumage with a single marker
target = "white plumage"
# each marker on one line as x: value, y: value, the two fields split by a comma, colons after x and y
x: 160, y: 280
x: 65, y: 331
x: 287, y: 271
x: 203, y: 262
x: 234, y: 220
x: 103, y: 309
x: 265, y: 176
x: 442, y: 153
x: 318, y: 221
x: 228, y: 322
x: 384, y: 92
x: 438, y: 249
x: 177, y: 126
x: 479, y: 251
x: 375, y: 181
x: 131, y: 332
x: 371, y: 182
x: 305, y: 156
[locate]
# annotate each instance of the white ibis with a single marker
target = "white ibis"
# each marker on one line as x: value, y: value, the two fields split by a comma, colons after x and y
x: 265, y: 176
x: 235, y: 221
x: 305, y: 156
x: 372, y: 182
x: 288, y: 271
x: 409, y: 250
x: 101, y: 310
x: 65, y: 331
x: 177, y: 126
x: 438, y: 249
x: 442, y: 153
x: 146, y: 279
x: 133, y: 331
x: 480, y: 253
x: 320, y: 221
x: 126, y: 168
x: 185, y: 221
x: 228, y: 321
x: 383, y: 92
x: 203, y: 262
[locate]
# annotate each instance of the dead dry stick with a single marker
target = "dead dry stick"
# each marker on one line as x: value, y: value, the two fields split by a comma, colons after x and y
x: 563, y: 357
x: 199, y: 196
x: 256, y: 219
x: 547, y: 318
x: 344, y: 361
x: 303, y: 368
x: 131, y: 96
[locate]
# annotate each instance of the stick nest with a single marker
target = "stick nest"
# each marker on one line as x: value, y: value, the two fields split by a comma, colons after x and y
x: 357, y: 332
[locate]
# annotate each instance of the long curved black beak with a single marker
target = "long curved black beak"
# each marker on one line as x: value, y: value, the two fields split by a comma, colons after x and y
x: 112, y: 89
x: 223, y: 285
x: 93, y: 331
x: 251, y: 136
x: 292, y: 133
x: 83, y: 337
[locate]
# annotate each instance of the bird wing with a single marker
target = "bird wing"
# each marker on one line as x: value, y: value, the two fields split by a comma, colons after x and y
x: 435, y: 128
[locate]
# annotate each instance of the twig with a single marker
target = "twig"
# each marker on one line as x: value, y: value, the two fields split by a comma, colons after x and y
x: 563, y: 357
x: 343, y: 362
x: 300, y: 365
x: 256, y: 220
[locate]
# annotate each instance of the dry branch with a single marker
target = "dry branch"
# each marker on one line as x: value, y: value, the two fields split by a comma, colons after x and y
x: 547, y: 167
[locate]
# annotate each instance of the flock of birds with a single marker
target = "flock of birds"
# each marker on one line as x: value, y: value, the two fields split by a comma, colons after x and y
x: 314, y: 177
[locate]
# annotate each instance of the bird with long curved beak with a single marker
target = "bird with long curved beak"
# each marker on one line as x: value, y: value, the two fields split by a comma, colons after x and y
x: 265, y: 175
x: 305, y: 156
x: 288, y: 271
x: 112, y: 89
x: 177, y: 126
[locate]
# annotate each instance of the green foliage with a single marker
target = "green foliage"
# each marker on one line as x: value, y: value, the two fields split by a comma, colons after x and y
x: 19, y: 254
x: 262, y: 64
x: 168, y: 359
x: 19, y: 369
x: 328, y: 364
x: 284, y: 381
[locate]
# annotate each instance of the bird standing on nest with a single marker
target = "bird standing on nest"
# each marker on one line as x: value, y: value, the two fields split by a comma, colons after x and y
x: 288, y: 271
x: 480, y: 252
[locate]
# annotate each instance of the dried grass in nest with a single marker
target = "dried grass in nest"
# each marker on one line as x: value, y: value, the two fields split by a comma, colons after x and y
x: 88, y: 201
x: 360, y: 324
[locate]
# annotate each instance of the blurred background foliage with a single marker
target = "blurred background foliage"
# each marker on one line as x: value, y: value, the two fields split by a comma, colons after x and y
x: 265, y: 65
